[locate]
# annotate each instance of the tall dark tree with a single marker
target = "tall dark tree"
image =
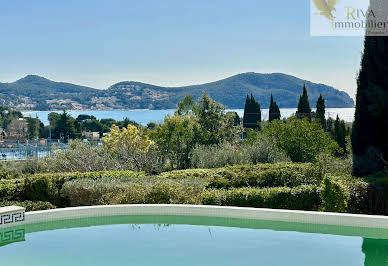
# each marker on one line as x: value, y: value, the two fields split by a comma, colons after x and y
x: 370, y: 128
x: 304, y: 110
x: 274, y: 111
x: 320, y: 114
x: 340, y: 133
x: 64, y: 127
x: 330, y: 126
x: 252, y: 113
x: 33, y: 128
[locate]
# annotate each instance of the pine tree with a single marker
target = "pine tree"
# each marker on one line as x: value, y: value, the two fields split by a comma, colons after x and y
x: 370, y: 129
x: 274, y: 111
x: 252, y: 113
x: 65, y: 127
x: 304, y: 110
x: 320, y: 115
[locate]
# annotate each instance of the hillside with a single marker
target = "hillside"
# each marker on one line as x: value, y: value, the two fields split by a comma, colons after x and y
x: 37, y: 93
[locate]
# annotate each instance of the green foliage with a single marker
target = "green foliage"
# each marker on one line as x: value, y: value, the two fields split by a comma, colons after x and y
x: 131, y: 147
x: 216, y: 126
x: 203, y: 122
x: 301, y: 139
x: 334, y: 195
x: 47, y: 187
x: 359, y: 196
x: 340, y: 135
x: 274, y: 111
x: 7, y: 115
x: 62, y: 126
x: 176, y: 138
x: 261, y: 150
x: 320, y: 114
x: 11, y: 189
x: 330, y: 164
x: 29, y: 205
x: 152, y: 190
x: 217, y: 156
x: 252, y: 113
x: 265, y: 175
x: 280, y: 185
x: 304, y: 110
x: 33, y: 126
x: 370, y: 131
x: 260, y: 175
x: 298, y: 198
x: 80, y: 157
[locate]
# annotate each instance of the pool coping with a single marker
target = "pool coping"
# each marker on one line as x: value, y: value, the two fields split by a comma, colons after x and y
x: 323, y: 218
x: 10, y: 215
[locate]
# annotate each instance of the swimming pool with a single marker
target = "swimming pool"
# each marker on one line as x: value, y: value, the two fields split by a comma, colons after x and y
x: 190, y: 240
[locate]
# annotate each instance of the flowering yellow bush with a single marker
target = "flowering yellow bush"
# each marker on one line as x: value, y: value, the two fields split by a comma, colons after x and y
x: 129, y: 138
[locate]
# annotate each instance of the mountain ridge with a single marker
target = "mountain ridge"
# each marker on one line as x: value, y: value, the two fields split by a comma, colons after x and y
x: 34, y: 92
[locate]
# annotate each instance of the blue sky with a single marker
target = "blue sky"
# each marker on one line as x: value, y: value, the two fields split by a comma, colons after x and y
x: 170, y: 42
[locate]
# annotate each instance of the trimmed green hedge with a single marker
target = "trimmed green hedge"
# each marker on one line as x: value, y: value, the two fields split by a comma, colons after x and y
x: 304, y: 197
x: 260, y: 175
x: 150, y: 190
x: 280, y: 185
x: 47, y: 187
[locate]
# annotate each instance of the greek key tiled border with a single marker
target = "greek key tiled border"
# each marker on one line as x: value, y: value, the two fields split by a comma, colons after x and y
x: 11, y: 236
x: 12, y: 218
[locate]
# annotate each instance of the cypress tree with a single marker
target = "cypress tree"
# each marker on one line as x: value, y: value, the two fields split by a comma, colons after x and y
x: 274, y: 111
x: 252, y: 113
x: 246, y: 107
x: 370, y: 129
x: 320, y: 115
x: 340, y: 133
x: 304, y: 110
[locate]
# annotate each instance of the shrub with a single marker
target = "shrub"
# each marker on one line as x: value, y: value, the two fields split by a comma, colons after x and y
x: 359, y: 191
x: 301, y: 139
x: 265, y: 175
x: 133, y: 149
x: 299, y: 198
x: 29, y: 205
x: 132, y: 190
x: 261, y: 150
x: 260, y: 175
x: 264, y: 150
x: 11, y: 189
x: 47, y: 187
x: 334, y: 196
x: 335, y: 166
x: 217, y: 156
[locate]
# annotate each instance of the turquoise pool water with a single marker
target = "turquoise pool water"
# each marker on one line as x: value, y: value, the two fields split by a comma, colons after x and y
x: 175, y: 240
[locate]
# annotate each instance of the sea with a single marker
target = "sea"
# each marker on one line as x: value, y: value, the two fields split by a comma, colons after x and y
x: 144, y: 117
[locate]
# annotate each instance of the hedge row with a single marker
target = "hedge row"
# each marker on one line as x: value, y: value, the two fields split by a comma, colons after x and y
x: 304, y: 197
x: 282, y: 185
x: 47, y: 187
x: 151, y: 190
x: 260, y: 175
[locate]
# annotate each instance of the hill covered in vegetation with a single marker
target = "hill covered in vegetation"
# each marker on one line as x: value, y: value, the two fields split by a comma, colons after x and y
x: 38, y: 93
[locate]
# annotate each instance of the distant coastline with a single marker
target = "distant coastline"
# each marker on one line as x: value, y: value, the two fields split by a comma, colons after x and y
x: 33, y: 93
